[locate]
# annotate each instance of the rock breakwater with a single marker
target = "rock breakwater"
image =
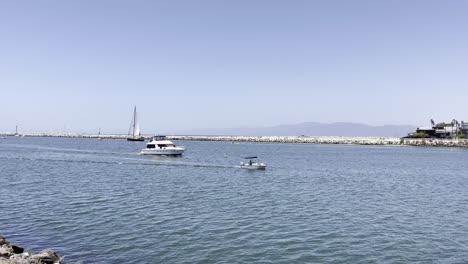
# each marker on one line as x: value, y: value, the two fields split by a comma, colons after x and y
x: 13, y: 254
x: 69, y: 135
x: 379, y: 141
x: 295, y: 139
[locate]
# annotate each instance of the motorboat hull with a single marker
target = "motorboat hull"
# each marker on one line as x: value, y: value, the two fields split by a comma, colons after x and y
x: 253, y: 166
x: 248, y: 167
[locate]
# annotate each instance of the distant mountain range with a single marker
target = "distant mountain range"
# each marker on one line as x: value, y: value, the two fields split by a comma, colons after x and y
x: 312, y: 129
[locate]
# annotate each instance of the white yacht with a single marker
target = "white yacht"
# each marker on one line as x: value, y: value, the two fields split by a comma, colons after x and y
x: 159, y: 145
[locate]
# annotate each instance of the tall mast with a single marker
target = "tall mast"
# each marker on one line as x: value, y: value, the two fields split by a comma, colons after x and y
x: 134, y: 120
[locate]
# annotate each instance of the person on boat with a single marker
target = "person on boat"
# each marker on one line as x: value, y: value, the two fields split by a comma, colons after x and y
x: 250, y: 162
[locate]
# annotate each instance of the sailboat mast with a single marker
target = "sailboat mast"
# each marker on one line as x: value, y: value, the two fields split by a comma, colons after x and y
x: 134, y: 120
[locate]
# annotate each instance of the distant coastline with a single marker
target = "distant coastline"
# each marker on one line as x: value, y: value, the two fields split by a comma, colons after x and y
x: 378, y: 141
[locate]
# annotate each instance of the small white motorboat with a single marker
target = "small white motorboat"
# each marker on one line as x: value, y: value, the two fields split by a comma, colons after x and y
x: 251, y: 164
x: 160, y: 146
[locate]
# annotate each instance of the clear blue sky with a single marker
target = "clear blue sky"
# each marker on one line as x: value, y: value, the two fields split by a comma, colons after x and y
x: 84, y: 64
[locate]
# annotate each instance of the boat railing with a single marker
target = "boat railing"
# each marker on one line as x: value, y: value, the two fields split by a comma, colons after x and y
x: 159, y: 138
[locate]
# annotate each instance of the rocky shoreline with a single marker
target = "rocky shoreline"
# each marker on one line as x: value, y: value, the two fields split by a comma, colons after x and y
x: 13, y: 254
x: 379, y: 141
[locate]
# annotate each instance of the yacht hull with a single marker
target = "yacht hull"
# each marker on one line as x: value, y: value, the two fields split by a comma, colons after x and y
x: 166, y: 152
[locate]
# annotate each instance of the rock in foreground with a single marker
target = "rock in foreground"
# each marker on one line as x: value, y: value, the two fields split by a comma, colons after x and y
x: 13, y: 254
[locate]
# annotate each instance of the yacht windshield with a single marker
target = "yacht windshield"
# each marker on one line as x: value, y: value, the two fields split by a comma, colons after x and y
x: 165, y: 145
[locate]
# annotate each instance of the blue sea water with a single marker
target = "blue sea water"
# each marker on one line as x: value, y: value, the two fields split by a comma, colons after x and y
x: 98, y: 201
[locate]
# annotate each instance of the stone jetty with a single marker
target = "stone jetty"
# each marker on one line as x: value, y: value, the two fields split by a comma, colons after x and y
x: 296, y: 139
x: 13, y: 254
x: 379, y: 141
x: 68, y: 135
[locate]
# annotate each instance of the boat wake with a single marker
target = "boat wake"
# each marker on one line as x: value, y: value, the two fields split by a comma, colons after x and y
x: 127, y: 161
x: 70, y: 150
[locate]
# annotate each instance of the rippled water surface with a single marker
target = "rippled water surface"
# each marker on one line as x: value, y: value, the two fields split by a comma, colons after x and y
x: 98, y: 201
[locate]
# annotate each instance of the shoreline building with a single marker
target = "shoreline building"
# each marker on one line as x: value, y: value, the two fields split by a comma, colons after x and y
x: 464, y: 129
x: 441, y: 130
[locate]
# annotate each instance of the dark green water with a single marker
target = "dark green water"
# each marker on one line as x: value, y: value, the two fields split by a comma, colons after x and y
x: 97, y: 201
